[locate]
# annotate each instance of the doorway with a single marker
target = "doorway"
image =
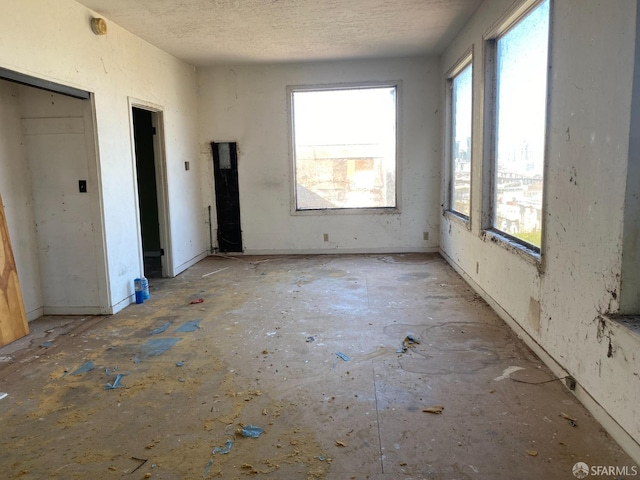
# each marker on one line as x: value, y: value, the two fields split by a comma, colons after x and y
x: 149, y: 181
x: 225, y: 173
x: 52, y: 193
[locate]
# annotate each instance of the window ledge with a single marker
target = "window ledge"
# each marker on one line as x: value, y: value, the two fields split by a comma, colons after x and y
x: 349, y: 211
x: 517, y: 248
x: 458, y: 218
x: 627, y: 323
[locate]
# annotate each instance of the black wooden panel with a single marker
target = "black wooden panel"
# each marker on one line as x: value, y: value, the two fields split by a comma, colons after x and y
x: 225, y: 173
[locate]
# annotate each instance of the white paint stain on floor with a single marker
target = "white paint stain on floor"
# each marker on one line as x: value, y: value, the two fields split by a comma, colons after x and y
x: 506, y: 373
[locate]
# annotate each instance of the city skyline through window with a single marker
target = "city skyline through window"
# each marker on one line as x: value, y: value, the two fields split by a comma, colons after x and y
x: 461, y: 120
x: 521, y: 89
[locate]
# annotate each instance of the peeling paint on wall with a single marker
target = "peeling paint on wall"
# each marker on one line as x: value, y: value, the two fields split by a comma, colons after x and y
x: 534, y: 314
x: 604, y: 334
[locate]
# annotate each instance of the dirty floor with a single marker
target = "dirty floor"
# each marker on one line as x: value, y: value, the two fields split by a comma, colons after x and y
x: 342, y: 361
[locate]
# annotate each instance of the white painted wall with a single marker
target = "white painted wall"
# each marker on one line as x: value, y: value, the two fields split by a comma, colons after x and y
x: 592, y: 61
x: 15, y: 188
x: 248, y: 104
x: 52, y: 39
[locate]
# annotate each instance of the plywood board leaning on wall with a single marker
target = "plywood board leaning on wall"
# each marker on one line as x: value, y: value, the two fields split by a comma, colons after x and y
x: 13, y: 320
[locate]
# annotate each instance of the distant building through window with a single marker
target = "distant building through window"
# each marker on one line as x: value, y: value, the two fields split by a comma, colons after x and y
x: 460, y: 138
x: 344, y: 147
x: 520, y: 122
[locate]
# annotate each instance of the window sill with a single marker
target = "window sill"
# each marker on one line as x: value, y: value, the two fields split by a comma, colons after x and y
x: 458, y: 218
x: 627, y: 323
x: 517, y: 248
x: 348, y: 211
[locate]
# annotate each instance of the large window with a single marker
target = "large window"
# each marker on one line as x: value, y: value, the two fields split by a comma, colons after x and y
x: 520, y: 122
x: 460, y: 138
x: 344, y: 147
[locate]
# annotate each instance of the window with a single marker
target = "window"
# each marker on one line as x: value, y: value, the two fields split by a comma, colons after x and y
x: 460, y: 137
x: 520, y: 123
x: 344, y: 147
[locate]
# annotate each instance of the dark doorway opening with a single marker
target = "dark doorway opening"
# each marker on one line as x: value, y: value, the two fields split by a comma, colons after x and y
x: 225, y: 173
x: 144, y: 132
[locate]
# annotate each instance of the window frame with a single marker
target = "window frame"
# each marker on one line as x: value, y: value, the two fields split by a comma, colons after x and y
x: 291, y: 89
x: 509, y: 20
x: 466, y: 60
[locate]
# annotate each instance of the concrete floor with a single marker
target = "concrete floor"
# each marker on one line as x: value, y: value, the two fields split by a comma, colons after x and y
x: 265, y: 354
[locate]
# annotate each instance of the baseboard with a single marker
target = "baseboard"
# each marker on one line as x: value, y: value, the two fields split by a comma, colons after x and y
x: 189, y: 263
x: 73, y: 310
x: 339, y: 251
x: 35, y: 313
x: 613, y: 428
x: 122, y: 304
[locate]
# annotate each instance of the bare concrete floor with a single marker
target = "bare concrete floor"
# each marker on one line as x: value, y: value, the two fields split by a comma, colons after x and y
x: 261, y: 349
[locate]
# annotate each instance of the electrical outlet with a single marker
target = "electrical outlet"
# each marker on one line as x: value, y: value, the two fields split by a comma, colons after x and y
x: 187, y: 166
x: 570, y: 382
x: 425, y: 235
x: 326, y: 237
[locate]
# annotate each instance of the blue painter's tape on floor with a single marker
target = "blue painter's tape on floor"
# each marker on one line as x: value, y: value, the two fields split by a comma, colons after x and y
x: 86, y: 367
x: 342, y: 356
x: 224, y: 450
x: 207, y: 468
x: 116, y: 383
x: 251, y: 431
x: 161, y: 329
x: 190, y: 326
x: 157, y: 346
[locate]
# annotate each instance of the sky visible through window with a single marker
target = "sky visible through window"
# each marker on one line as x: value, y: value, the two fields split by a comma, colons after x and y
x: 520, y: 126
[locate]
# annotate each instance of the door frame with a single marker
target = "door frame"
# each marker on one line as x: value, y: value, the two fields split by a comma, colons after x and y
x: 164, y: 219
x: 97, y: 205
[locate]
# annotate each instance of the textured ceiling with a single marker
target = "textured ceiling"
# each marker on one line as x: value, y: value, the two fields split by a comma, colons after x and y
x: 214, y: 32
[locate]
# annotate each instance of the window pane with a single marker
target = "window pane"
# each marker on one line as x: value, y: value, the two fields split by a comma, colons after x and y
x: 224, y: 155
x: 520, y: 126
x: 461, y: 99
x: 345, y: 148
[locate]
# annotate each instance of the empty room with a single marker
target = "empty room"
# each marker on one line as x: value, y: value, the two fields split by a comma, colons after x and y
x: 283, y: 239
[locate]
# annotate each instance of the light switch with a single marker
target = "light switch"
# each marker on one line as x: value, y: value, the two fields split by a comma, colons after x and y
x: 82, y: 186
